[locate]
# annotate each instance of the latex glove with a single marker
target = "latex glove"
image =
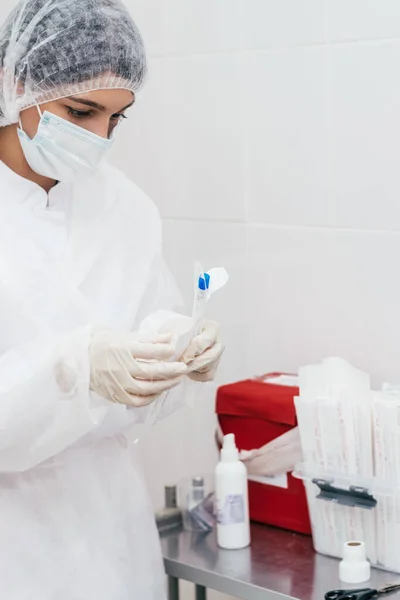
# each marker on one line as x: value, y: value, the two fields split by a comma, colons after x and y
x: 204, y: 353
x: 130, y: 370
x: 278, y: 457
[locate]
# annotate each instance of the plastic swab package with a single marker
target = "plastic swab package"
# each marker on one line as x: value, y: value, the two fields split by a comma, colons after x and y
x: 183, y: 328
x: 386, y: 437
x: 334, y: 411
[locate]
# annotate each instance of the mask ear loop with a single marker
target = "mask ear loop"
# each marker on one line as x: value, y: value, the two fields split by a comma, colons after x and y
x: 19, y: 117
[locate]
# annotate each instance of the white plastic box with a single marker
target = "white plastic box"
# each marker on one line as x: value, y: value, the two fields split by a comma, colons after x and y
x: 344, y: 508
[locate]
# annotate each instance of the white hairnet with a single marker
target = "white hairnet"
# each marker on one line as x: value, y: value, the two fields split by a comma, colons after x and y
x: 50, y: 49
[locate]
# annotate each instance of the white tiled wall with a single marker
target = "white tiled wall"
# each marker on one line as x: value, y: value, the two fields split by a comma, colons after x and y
x: 269, y: 137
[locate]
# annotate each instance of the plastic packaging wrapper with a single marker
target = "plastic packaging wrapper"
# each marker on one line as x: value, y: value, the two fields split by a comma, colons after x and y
x: 184, y: 327
x: 197, y: 502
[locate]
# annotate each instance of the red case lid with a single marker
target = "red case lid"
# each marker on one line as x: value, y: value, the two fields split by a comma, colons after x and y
x: 260, y: 399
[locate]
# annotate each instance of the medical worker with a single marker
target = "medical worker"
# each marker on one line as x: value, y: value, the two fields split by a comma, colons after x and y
x: 80, y: 268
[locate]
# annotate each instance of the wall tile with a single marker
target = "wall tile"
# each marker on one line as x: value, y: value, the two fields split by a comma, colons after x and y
x: 149, y: 18
x: 267, y: 23
x: 207, y: 26
x: 285, y: 103
x: 363, y: 19
x: 201, y: 159
x: 365, y: 136
x: 316, y: 293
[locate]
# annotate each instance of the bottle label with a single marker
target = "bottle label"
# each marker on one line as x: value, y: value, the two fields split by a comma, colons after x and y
x: 233, y: 511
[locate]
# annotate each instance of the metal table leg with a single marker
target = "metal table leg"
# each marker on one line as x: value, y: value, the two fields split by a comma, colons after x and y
x: 173, y: 588
x: 201, y: 592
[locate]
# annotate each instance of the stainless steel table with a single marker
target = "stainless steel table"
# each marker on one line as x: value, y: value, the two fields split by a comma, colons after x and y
x: 276, y: 566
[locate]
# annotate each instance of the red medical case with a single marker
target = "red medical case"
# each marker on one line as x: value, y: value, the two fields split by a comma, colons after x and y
x: 257, y: 412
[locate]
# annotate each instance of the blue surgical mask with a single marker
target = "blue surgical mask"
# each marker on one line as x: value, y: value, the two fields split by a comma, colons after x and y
x: 62, y: 150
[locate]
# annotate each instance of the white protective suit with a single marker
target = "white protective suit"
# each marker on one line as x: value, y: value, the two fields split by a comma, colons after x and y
x: 75, y: 520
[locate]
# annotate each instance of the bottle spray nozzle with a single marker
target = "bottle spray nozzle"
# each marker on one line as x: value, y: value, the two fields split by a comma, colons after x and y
x: 229, y: 441
x: 229, y: 452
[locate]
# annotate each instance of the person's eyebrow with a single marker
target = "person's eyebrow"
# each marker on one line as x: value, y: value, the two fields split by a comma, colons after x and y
x: 87, y: 102
x: 96, y: 105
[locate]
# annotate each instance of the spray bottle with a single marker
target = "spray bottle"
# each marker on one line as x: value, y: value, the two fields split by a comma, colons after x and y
x: 233, y: 528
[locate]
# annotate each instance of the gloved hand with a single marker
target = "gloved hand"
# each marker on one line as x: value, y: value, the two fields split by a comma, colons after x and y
x: 278, y: 457
x: 204, y: 353
x: 130, y: 370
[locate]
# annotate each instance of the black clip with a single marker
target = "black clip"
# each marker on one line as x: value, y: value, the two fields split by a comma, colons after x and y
x: 354, y: 496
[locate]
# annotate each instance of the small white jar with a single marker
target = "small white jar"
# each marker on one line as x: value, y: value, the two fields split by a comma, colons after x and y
x: 354, y: 567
